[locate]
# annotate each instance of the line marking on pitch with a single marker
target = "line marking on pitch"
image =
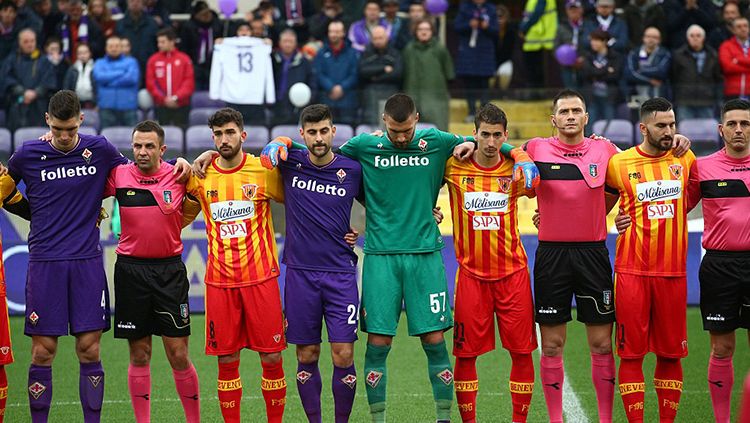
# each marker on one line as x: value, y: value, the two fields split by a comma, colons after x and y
x: 571, y: 404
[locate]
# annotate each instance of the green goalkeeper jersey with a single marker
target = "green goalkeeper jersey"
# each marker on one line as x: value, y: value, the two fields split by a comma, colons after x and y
x: 401, y: 188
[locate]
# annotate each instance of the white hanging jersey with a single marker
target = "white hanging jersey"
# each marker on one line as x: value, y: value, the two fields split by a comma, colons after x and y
x: 242, y: 72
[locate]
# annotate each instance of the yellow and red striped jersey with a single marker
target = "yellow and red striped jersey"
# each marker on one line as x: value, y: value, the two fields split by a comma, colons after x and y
x: 236, y: 206
x: 485, y: 218
x: 8, y: 195
x: 653, y: 191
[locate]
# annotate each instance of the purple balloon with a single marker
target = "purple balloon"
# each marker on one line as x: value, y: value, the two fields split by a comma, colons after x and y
x: 566, y: 55
x: 227, y: 7
x: 436, y: 7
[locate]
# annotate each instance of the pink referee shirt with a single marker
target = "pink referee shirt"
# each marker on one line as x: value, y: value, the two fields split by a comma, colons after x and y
x: 723, y: 183
x: 150, y: 210
x: 571, y: 192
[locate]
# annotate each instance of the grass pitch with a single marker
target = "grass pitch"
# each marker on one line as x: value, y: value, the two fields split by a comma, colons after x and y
x: 409, y: 393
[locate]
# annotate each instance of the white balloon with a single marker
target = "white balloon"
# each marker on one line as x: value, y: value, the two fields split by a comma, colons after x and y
x: 145, y: 101
x: 300, y: 94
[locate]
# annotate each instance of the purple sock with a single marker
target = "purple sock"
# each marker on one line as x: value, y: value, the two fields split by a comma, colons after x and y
x: 344, y: 387
x: 91, y: 391
x: 40, y: 392
x: 309, y: 386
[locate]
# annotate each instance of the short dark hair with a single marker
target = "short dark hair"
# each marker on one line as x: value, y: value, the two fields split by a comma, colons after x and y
x: 8, y: 4
x: 224, y: 116
x: 52, y: 40
x: 400, y: 107
x: 334, y: 21
x: 149, y: 126
x: 599, y: 34
x: 315, y: 113
x: 114, y: 36
x: 377, y: 2
x: 653, y: 105
x: 167, y: 32
x: 567, y: 93
x: 490, y: 114
x: 64, y: 105
x: 736, y: 104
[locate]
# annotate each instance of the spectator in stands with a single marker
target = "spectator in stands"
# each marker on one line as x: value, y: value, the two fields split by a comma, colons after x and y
x: 28, y: 18
x: 570, y: 31
x: 380, y: 71
x: 170, y: 80
x: 359, y: 32
x: 197, y: 40
x: 75, y: 28
x: 427, y: 69
x: 648, y: 67
x: 157, y: 10
x: 538, y: 29
x: 117, y: 77
x: 641, y: 14
x: 289, y: 67
x: 269, y: 18
x: 50, y: 17
x: 735, y: 61
x: 9, y: 29
x: 476, y: 25
x: 259, y: 30
x: 100, y: 13
x: 606, y: 20
x: 80, y: 77
x: 601, y: 72
x: 696, y: 77
x: 140, y: 28
x: 127, y: 49
x: 27, y: 83
x: 336, y: 69
x: 331, y: 10
x: 405, y: 34
x: 683, y: 13
x: 390, y: 14
x: 295, y: 14
x: 507, y: 37
x: 53, y: 51
x: 723, y: 31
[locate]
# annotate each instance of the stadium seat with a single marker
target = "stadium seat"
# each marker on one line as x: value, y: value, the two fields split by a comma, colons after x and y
x: 201, y: 99
x: 174, y: 138
x: 425, y: 125
x: 28, y: 133
x: 91, y: 118
x: 120, y: 137
x: 619, y: 131
x: 257, y: 138
x: 6, y: 142
x: 343, y: 134
x: 703, y: 134
x: 198, y: 139
x: 87, y: 130
x: 364, y: 129
x: 200, y: 115
x: 147, y: 115
x: 291, y: 131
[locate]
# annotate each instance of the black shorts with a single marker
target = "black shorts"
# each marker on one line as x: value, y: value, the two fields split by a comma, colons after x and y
x: 725, y: 290
x: 564, y: 269
x: 151, y: 297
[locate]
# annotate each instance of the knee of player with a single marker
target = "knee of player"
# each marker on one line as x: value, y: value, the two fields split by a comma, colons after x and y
x: 270, y: 358
x: 307, y: 354
x: 178, y: 358
x: 343, y: 356
x: 601, y: 346
x: 722, y: 349
x: 88, y: 351
x: 43, y: 355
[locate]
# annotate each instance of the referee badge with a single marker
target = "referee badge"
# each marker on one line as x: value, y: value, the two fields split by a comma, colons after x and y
x: 168, y: 197
x: 594, y: 170
x: 607, y: 298
x: 184, y: 311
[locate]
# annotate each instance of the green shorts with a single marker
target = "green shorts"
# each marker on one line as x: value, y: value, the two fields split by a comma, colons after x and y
x: 414, y: 280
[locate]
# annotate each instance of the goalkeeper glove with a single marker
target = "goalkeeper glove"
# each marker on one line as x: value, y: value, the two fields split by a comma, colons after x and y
x: 277, y: 149
x: 524, y: 168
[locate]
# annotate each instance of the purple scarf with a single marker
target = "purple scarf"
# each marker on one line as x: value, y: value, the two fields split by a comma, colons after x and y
x: 83, y: 33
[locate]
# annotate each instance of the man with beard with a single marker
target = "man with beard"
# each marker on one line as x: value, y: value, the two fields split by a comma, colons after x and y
x: 243, y: 304
x: 650, y: 281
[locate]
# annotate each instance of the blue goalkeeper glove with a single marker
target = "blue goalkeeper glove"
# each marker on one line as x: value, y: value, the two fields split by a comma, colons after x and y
x: 524, y: 168
x: 277, y: 149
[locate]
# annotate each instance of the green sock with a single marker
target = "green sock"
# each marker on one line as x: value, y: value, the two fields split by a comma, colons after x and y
x: 441, y: 377
x: 375, y: 380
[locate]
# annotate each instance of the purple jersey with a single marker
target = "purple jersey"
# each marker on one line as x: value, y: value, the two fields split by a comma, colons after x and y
x: 65, y: 193
x: 318, y: 204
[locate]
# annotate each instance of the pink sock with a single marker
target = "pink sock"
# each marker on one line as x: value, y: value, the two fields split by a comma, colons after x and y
x: 186, y: 382
x: 603, y: 376
x: 720, y: 381
x: 553, y: 376
x: 139, y: 386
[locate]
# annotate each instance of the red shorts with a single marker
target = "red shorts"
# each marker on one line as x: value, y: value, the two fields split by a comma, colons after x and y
x: 478, y: 302
x: 6, y: 348
x: 651, y: 315
x: 246, y: 317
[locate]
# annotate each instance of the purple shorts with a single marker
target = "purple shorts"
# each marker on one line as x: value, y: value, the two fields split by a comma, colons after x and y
x: 66, y: 294
x: 310, y: 295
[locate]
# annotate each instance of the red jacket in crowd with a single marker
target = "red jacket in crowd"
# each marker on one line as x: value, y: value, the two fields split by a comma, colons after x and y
x: 735, y: 65
x: 170, y: 74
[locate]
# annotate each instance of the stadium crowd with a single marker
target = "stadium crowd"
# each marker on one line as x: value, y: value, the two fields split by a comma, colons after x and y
x: 694, y: 52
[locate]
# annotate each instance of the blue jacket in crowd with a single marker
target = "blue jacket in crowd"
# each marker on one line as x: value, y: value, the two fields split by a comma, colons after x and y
x: 117, y: 82
x: 337, y: 69
x: 478, y: 60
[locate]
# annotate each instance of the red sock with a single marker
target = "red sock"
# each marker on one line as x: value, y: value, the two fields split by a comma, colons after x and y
x: 521, y: 384
x: 139, y: 385
x: 273, y: 385
x: 230, y: 391
x: 603, y: 376
x: 745, y: 406
x: 553, y: 377
x: 668, y: 384
x: 3, y: 392
x: 186, y: 382
x: 720, y: 382
x: 466, y: 384
x: 632, y: 388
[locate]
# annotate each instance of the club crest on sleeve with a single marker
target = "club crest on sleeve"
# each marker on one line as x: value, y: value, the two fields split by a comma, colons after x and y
x: 446, y: 376
x: 249, y: 191
x: 676, y: 170
x: 594, y: 170
x: 422, y: 144
x: 87, y: 155
x: 504, y: 184
x: 341, y: 175
x: 36, y: 389
x: 349, y: 380
x: 373, y: 378
x: 303, y: 376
